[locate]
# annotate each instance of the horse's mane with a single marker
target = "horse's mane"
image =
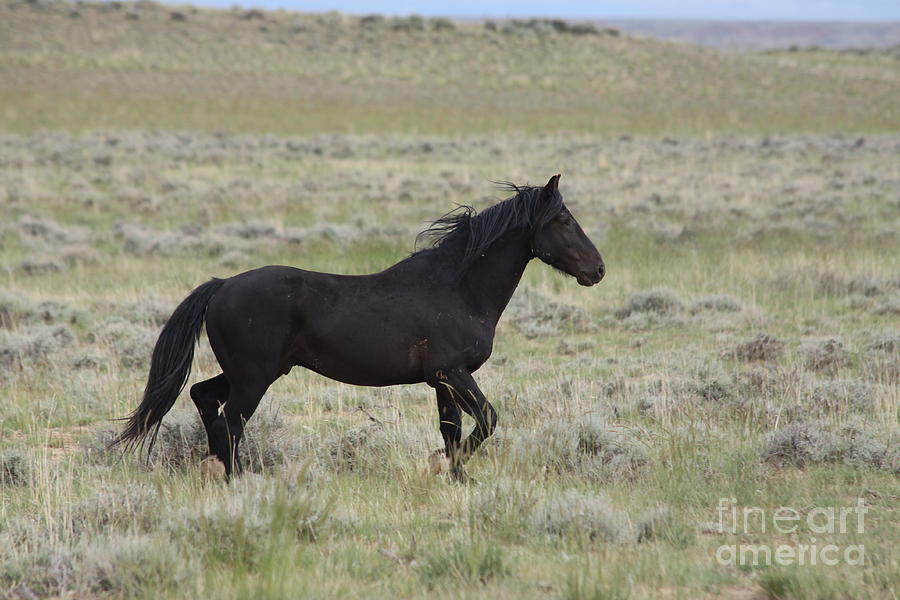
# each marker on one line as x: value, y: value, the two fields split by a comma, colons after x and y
x: 476, y: 231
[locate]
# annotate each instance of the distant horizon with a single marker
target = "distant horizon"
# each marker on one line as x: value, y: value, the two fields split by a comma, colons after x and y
x: 817, y: 11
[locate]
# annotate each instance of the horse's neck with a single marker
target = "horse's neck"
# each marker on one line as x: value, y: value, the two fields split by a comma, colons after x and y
x: 493, y: 277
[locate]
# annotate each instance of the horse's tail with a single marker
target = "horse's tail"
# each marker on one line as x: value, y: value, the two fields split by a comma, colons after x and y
x: 169, y: 367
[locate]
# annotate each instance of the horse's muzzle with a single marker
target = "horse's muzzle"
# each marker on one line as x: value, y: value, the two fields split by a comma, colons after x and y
x: 590, y: 278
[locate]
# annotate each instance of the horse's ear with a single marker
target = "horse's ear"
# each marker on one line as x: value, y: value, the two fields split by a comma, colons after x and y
x: 552, y: 186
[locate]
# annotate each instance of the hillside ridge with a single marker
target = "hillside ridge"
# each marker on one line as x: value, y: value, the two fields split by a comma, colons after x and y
x: 143, y: 64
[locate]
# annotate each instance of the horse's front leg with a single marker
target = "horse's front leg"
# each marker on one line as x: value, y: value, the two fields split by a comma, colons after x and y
x: 451, y: 429
x: 457, y: 389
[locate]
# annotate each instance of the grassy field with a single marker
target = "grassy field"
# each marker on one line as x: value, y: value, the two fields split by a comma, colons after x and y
x: 741, y: 354
x: 744, y: 345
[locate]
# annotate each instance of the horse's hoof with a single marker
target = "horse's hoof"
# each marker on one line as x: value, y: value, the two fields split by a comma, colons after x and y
x: 460, y: 475
x: 438, y: 463
x: 212, y: 468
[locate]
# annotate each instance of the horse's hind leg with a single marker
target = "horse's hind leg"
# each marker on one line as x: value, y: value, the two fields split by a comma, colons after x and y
x: 227, y: 428
x: 208, y: 396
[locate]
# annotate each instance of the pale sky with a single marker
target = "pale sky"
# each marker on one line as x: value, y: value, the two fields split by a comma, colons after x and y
x: 802, y: 10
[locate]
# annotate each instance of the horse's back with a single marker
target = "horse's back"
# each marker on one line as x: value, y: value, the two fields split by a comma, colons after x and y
x: 362, y: 329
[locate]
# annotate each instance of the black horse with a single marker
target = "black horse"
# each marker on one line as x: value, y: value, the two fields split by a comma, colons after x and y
x: 430, y: 318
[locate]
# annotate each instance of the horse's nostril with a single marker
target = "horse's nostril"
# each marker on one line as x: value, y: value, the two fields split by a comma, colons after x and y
x: 602, y: 271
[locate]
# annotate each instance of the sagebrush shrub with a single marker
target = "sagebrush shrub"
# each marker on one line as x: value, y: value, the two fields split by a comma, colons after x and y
x: 15, y: 467
x: 660, y: 300
x: 825, y: 355
x: 716, y: 303
x: 580, y: 514
x: 38, y: 345
x: 804, y: 443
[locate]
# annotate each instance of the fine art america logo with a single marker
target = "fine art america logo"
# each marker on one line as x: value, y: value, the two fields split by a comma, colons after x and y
x: 804, y: 549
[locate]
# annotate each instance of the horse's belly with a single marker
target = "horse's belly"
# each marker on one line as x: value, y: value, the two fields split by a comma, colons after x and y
x: 358, y: 377
x: 369, y: 373
x: 364, y: 363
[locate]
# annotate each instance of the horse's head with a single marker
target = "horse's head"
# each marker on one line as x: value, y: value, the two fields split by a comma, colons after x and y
x: 562, y: 243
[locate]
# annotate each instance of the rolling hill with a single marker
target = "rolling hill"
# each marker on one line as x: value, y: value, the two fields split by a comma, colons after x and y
x: 114, y: 65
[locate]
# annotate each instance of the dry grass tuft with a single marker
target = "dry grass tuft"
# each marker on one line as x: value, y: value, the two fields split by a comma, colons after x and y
x: 763, y: 347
